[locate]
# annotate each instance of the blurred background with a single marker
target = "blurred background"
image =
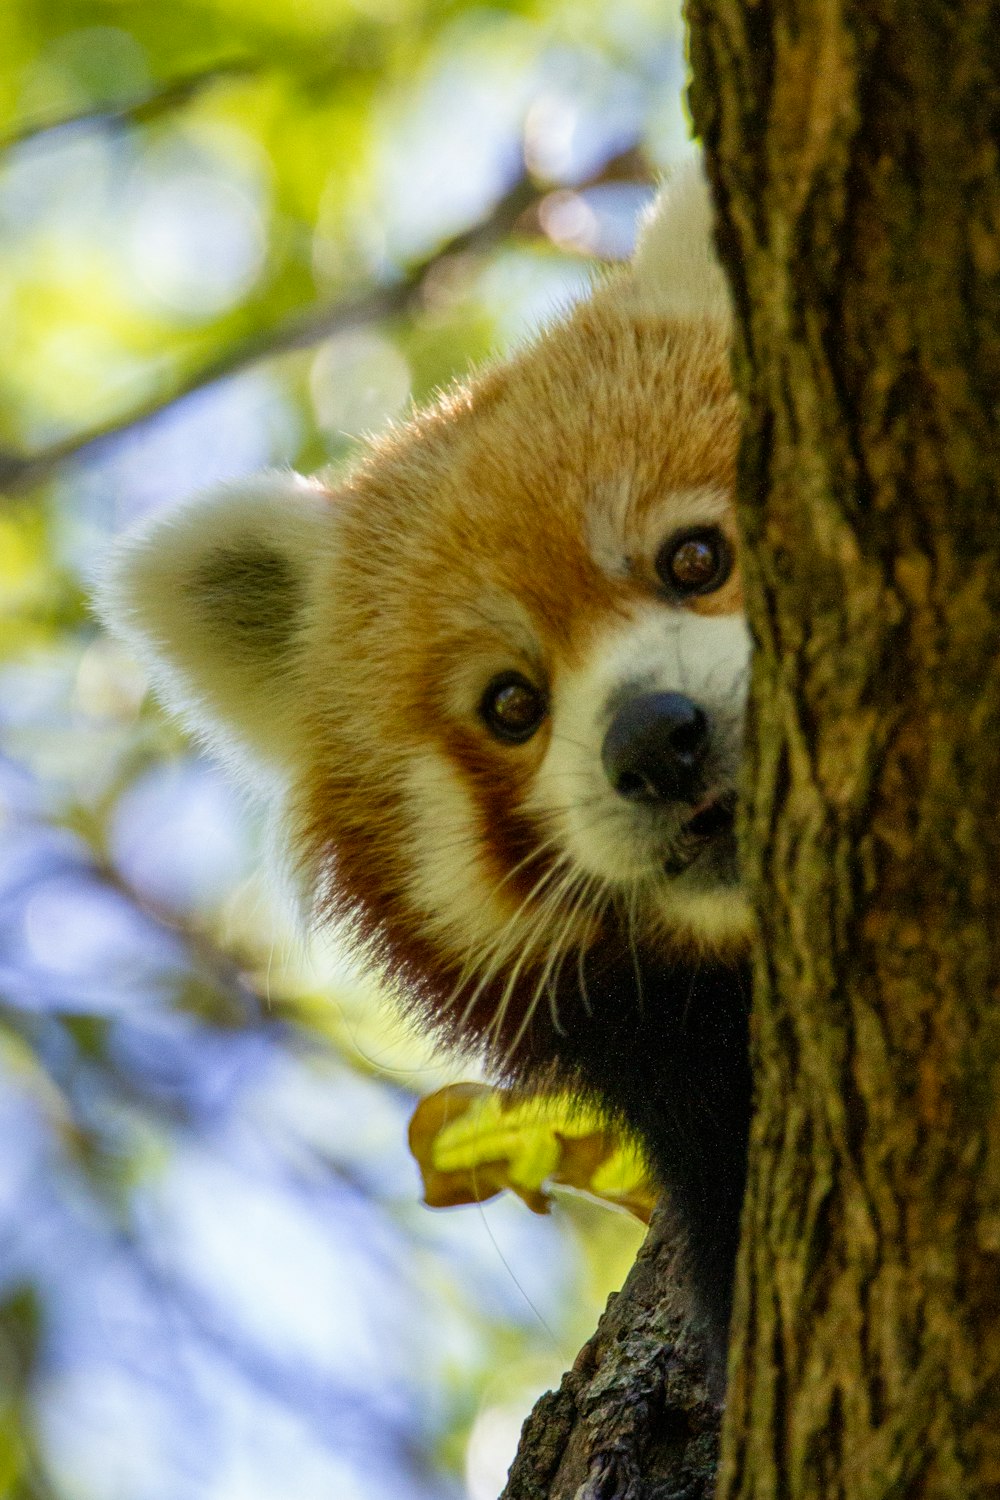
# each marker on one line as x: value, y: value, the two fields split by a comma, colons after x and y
x: 236, y: 233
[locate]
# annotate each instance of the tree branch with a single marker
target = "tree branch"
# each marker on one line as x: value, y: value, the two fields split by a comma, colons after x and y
x: 516, y: 210
x: 632, y: 1420
x: 299, y: 331
x: 173, y: 94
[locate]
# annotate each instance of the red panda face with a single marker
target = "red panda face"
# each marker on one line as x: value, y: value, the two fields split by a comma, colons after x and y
x: 554, y: 795
x: 534, y: 730
x: 499, y: 671
x: 496, y: 678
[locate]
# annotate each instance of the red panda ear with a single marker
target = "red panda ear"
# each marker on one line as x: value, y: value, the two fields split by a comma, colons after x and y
x: 675, y: 271
x: 214, y: 598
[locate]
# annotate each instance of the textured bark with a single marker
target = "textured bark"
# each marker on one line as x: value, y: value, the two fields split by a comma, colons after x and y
x: 853, y: 149
x: 632, y: 1420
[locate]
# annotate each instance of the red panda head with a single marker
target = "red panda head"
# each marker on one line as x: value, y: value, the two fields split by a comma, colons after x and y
x: 498, y: 671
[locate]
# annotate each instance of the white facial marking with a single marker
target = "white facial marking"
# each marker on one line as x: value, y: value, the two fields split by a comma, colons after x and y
x: 448, y: 884
x: 614, y: 540
x: 485, y: 920
x: 704, y: 657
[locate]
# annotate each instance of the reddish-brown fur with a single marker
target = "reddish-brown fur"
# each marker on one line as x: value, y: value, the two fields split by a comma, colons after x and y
x: 567, y: 900
x: 488, y: 493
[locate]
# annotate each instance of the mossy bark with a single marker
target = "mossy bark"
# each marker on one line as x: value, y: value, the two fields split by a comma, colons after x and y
x: 854, y: 150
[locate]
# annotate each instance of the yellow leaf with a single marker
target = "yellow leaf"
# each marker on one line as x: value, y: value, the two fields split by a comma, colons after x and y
x: 472, y: 1141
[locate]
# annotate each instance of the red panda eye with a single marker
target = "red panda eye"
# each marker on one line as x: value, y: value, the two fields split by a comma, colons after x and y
x: 696, y: 561
x: 512, y: 708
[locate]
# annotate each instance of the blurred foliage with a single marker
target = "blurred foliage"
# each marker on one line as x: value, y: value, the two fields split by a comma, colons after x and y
x: 232, y: 234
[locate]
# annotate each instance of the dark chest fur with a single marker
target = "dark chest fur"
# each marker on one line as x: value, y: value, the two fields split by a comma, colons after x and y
x: 662, y: 1047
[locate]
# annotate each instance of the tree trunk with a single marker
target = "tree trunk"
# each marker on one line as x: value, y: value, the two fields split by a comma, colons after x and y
x: 632, y: 1420
x: 853, y: 150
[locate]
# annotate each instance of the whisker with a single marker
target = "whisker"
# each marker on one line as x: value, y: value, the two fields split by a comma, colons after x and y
x: 583, y: 896
x: 500, y: 948
x: 558, y: 949
x: 553, y: 899
x: 630, y: 927
x: 563, y: 896
x: 581, y: 972
x: 566, y: 739
x: 572, y: 891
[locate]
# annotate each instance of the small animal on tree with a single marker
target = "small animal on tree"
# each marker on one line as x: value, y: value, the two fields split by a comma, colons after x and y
x: 495, y: 678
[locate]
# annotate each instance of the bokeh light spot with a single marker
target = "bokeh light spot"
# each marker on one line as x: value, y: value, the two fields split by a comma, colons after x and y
x: 357, y: 382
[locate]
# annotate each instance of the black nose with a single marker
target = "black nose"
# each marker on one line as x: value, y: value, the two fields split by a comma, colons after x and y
x: 654, y: 749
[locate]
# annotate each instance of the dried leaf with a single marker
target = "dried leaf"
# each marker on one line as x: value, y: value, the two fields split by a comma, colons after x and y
x: 472, y: 1141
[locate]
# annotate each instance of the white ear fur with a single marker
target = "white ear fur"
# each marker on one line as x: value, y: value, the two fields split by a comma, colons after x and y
x: 213, y: 599
x: 675, y: 271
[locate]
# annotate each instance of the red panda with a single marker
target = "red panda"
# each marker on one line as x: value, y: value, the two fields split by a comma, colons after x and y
x: 497, y: 676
